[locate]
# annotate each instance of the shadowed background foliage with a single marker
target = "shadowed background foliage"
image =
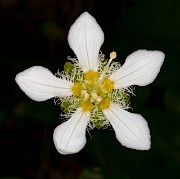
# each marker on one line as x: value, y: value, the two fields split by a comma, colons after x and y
x: 34, y: 32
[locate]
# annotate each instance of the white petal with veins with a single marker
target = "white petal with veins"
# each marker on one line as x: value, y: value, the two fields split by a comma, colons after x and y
x: 131, y: 129
x: 70, y: 136
x: 85, y: 39
x: 40, y: 84
x: 140, y: 68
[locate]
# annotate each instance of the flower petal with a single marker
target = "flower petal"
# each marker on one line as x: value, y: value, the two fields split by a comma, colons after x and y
x: 140, y: 68
x: 70, y: 137
x: 85, y: 39
x: 40, y: 84
x: 131, y: 129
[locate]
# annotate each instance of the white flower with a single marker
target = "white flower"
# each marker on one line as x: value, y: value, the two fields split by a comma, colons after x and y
x: 94, y: 91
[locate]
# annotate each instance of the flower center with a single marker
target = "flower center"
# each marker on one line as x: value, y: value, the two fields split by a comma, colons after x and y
x: 95, y: 88
x: 93, y: 91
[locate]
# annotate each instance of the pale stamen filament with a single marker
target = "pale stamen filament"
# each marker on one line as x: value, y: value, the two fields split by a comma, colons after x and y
x: 94, y: 94
x: 95, y: 97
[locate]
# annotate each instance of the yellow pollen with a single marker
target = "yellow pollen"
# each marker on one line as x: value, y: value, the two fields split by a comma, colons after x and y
x: 91, y: 75
x: 86, y: 105
x: 107, y: 84
x: 105, y: 103
x: 77, y: 88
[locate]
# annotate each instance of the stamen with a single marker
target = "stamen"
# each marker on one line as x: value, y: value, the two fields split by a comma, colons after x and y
x: 86, y: 96
x: 83, y: 92
x: 92, y: 100
x: 99, y: 99
x: 113, y: 55
x: 95, y: 97
x: 94, y: 94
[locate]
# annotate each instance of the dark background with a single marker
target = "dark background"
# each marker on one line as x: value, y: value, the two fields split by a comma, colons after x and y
x: 34, y: 32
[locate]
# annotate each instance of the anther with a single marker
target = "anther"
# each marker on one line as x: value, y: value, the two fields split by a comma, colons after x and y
x: 92, y: 100
x: 99, y: 99
x: 85, y: 94
x: 113, y: 55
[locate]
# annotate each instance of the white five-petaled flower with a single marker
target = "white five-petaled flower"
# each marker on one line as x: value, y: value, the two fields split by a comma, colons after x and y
x: 94, y: 91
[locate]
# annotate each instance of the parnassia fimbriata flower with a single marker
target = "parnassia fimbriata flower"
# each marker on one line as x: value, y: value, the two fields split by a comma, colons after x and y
x: 94, y: 91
